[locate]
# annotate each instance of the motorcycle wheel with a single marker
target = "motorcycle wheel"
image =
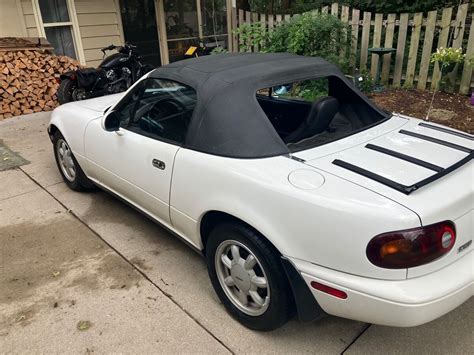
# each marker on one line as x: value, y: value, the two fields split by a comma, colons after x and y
x: 65, y: 91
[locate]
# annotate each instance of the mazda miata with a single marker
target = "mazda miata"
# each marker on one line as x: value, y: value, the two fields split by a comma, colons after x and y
x: 302, y: 195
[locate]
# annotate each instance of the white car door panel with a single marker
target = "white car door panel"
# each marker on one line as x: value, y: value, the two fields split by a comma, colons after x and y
x: 133, y: 165
x: 131, y: 150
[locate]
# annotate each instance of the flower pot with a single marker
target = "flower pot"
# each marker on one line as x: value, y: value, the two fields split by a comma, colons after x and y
x: 447, y: 68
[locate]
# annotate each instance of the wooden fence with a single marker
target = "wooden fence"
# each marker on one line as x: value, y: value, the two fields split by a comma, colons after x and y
x: 415, y: 37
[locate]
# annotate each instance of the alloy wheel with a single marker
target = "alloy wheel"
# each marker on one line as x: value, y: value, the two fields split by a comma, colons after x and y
x: 242, y: 277
x: 66, y: 163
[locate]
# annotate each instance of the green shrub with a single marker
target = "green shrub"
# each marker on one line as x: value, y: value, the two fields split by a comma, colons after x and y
x: 251, y: 35
x: 308, y: 90
x: 219, y: 50
x: 367, y: 83
x: 311, y: 34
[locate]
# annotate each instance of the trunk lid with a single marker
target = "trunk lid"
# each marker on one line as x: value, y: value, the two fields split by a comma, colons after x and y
x: 439, y: 173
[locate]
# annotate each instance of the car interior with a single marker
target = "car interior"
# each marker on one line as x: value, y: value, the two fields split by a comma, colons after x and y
x: 305, y: 114
x: 161, y: 109
x: 314, y: 112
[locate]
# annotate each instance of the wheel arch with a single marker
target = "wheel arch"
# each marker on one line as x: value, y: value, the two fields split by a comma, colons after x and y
x: 52, y: 129
x: 212, y: 218
x: 306, y: 305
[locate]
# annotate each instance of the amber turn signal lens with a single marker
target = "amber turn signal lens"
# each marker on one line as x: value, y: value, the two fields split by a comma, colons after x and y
x: 395, y: 246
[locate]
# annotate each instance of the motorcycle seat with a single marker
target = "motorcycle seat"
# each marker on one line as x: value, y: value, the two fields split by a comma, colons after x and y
x: 86, y: 77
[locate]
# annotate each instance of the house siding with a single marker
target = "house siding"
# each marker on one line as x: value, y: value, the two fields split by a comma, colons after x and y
x: 99, y: 26
x: 11, y: 19
x: 29, y: 18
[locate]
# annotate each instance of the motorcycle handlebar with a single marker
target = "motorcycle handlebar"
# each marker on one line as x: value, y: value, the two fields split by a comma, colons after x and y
x: 127, y: 48
x: 109, y: 48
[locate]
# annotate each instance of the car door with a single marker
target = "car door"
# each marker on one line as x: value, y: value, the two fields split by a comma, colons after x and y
x: 136, y: 161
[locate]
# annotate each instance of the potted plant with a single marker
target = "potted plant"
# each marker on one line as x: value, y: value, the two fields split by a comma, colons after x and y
x: 447, y: 58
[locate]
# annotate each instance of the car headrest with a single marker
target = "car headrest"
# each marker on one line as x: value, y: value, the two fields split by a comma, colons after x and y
x: 318, y: 119
x: 321, y: 114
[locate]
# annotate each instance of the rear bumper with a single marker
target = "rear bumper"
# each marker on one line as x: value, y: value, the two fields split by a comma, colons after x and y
x: 402, y: 303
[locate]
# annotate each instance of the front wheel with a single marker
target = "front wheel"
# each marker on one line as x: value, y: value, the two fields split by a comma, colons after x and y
x: 70, y: 170
x: 247, y: 275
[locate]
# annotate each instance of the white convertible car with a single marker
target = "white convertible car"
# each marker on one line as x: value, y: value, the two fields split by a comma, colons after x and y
x: 301, y: 194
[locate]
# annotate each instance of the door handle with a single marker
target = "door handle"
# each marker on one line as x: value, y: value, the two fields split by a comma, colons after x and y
x: 158, y: 164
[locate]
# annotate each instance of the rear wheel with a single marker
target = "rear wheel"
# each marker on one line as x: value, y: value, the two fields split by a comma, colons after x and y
x: 70, y: 170
x: 65, y: 91
x: 248, y: 277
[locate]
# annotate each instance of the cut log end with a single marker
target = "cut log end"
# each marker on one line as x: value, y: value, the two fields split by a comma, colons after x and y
x: 28, y: 80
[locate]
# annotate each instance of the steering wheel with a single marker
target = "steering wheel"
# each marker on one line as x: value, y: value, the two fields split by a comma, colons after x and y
x: 154, y: 126
x: 179, y: 105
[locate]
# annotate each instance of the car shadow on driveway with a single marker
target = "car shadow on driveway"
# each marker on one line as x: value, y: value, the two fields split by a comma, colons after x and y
x: 182, y: 274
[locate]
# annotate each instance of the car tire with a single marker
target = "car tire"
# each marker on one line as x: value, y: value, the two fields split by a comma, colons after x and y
x: 236, y: 286
x: 68, y: 166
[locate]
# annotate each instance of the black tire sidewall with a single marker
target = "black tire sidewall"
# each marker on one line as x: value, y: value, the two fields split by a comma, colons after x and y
x: 64, y: 92
x: 280, y: 308
x: 80, y: 182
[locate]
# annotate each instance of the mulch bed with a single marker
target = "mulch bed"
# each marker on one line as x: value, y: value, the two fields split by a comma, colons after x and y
x: 452, y: 110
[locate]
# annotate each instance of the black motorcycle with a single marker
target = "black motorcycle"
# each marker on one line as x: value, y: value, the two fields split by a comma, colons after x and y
x: 115, y: 74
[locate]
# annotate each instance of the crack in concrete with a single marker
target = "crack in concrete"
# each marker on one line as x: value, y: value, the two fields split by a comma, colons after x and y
x: 367, y: 326
x: 17, y: 195
x: 166, y: 294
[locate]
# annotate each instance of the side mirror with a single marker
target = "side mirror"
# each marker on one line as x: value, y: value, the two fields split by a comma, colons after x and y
x: 111, y: 121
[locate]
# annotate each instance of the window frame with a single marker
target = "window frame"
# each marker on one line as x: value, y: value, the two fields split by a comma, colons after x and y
x: 72, y: 24
x: 161, y: 20
x: 141, y: 85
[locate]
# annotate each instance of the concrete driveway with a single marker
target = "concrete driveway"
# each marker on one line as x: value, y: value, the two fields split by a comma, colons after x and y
x: 83, y: 272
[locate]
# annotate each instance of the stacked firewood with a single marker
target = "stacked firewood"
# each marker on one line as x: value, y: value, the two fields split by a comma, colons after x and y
x: 29, y: 80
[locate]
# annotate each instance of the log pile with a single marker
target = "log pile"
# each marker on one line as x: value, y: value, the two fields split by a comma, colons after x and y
x: 28, y: 80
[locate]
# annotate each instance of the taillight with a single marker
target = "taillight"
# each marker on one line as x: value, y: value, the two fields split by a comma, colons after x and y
x: 412, y: 247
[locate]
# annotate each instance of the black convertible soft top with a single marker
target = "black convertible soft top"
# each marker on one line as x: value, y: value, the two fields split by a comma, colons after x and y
x: 227, y: 120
